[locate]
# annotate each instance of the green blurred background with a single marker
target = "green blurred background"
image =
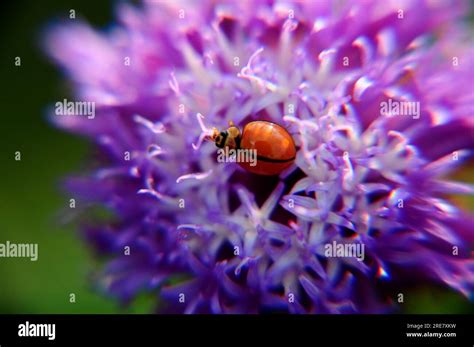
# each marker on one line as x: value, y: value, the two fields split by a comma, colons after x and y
x: 30, y: 199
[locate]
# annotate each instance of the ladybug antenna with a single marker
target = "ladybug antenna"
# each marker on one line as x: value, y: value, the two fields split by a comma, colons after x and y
x: 206, y: 133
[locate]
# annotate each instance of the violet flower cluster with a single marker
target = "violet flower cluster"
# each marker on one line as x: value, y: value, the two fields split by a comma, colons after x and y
x: 209, y: 237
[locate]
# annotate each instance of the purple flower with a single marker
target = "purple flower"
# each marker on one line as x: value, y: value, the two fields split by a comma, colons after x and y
x: 378, y: 97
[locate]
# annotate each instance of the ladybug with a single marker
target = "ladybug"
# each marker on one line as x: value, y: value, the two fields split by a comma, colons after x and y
x: 274, y: 146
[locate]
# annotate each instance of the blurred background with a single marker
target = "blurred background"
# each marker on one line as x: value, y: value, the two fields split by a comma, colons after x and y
x: 31, y: 201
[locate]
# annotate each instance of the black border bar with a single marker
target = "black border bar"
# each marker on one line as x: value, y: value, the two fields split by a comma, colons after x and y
x: 144, y: 330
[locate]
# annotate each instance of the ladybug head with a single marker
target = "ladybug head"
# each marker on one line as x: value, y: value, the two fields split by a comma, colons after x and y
x: 226, y: 138
x: 221, y: 139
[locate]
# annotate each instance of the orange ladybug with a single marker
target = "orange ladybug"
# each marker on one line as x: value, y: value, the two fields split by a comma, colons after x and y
x: 273, y: 144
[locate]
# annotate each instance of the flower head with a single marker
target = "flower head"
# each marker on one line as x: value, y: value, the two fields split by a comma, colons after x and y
x: 378, y: 98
